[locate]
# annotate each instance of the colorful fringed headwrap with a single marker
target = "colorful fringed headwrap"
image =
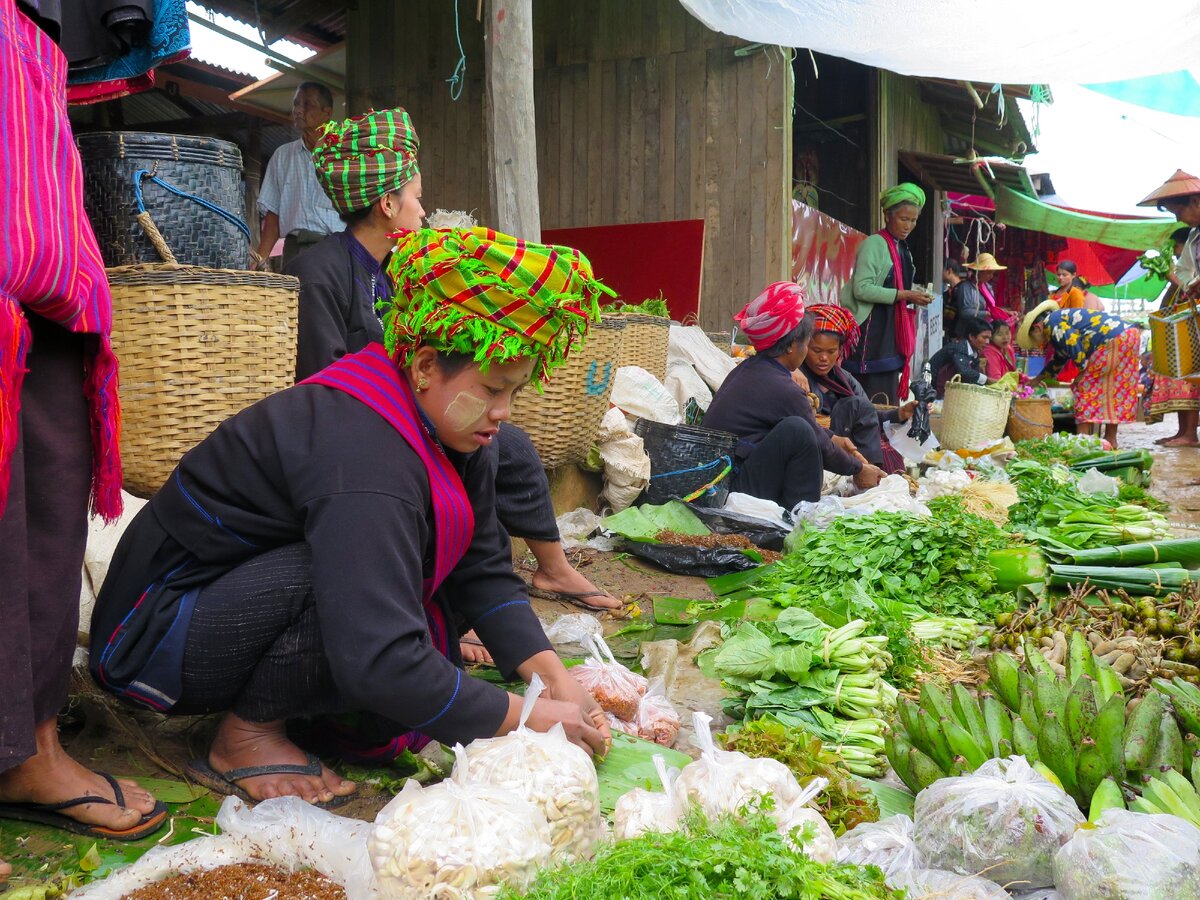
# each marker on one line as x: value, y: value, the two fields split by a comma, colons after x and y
x: 837, y: 320
x: 487, y: 295
x: 361, y: 159
x: 770, y: 316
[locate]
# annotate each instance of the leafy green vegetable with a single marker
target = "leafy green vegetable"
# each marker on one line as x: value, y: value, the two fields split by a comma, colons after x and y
x: 741, y: 857
x: 643, y: 523
x: 655, y: 306
x: 843, y: 804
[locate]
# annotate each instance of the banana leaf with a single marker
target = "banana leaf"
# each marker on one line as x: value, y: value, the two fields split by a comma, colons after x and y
x: 681, y: 611
x: 725, y: 585
x: 643, y: 523
x: 1183, y: 550
x: 630, y: 764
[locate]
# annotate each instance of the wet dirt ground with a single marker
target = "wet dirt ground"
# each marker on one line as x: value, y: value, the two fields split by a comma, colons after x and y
x: 1176, y: 474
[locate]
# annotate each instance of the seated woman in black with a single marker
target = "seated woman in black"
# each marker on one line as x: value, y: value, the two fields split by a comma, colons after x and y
x: 783, y: 453
x: 840, y: 396
x: 962, y: 358
x: 321, y: 551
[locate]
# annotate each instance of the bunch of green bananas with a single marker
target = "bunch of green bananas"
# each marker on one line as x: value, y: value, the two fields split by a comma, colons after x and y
x: 1073, y: 729
x: 1172, y: 794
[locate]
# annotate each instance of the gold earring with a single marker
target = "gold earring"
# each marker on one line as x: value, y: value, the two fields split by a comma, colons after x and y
x: 422, y: 384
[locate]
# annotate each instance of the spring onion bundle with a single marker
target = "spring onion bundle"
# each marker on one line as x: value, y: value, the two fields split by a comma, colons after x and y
x: 952, y: 632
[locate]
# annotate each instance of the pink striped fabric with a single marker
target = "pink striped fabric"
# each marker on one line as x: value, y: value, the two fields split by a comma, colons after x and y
x: 51, y: 261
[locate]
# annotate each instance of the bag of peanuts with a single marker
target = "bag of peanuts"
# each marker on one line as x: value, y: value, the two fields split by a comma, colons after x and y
x: 459, y: 838
x: 614, y: 687
x: 547, y: 770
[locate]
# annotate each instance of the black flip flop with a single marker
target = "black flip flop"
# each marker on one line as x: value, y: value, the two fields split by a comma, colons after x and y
x: 51, y: 814
x: 576, y: 598
x: 201, y: 772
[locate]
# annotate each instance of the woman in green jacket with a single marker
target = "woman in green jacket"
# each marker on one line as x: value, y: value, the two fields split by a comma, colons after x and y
x: 882, y: 299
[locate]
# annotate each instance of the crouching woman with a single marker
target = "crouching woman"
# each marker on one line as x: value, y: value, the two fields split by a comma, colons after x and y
x: 321, y: 551
x: 783, y: 453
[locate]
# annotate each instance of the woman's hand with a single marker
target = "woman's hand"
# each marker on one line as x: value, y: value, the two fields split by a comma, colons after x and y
x: 905, y: 412
x: 868, y: 477
x: 581, y: 729
x: 801, y: 381
x: 920, y: 298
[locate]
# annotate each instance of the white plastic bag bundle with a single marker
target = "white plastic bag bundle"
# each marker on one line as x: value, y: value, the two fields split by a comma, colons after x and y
x: 550, y: 772
x: 937, y: 884
x: 887, y: 844
x: 939, y: 483
x: 638, y: 393
x: 1093, y: 481
x: 657, y: 721
x: 626, y: 463
x: 690, y: 344
x: 1004, y: 819
x: 282, y: 831
x: 724, y: 781
x: 758, y: 508
x: 1130, y: 855
x: 685, y: 384
x: 641, y: 811
x: 459, y: 838
x: 614, y: 687
x: 890, y: 495
x: 573, y: 628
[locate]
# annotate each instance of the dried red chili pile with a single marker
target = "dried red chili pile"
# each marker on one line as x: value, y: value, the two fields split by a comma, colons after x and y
x: 242, y: 881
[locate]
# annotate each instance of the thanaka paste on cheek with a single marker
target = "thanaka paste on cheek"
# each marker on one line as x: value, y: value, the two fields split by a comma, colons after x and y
x: 465, y: 410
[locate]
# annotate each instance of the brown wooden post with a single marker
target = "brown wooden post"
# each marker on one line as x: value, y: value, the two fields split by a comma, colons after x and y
x: 508, y: 114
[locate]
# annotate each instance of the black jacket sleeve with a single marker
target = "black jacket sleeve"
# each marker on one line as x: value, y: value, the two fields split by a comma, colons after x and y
x: 833, y: 458
x: 322, y: 325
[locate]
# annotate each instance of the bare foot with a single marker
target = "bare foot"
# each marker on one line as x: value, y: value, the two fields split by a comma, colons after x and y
x: 1163, y: 440
x: 1182, y: 441
x: 239, y: 744
x: 51, y: 776
x: 5, y: 871
x: 473, y: 651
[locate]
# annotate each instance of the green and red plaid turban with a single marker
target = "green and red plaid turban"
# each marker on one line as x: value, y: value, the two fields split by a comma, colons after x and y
x: 770, y: 316
x: 836, y: 320
x: 361, y: 159
x: 490, y: 296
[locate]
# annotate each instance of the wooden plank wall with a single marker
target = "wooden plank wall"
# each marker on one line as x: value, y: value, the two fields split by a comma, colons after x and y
x: 903, y: 121
x: 643, y: 115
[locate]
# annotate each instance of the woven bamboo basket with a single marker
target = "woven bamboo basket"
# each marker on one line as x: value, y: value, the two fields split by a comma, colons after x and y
x: 645, y: 342
x: 563, y: 419
x: 196, y: 346
x: 972, y: 415
x: 1030, y: 418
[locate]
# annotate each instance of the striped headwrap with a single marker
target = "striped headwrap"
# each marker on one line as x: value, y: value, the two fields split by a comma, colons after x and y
x: 836, y: 320
x: 489, y: 296
x: 361, y: 159
x: 771, y: 315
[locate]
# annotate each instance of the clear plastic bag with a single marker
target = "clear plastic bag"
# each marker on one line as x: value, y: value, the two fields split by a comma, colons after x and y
x: 282, y: 831
x: 460, y: 838
x: 550, y: 772
x: 937, y: 884
x: 1004, y: 819
x: 573, y: 628
x: 657, y: 721
x: 1131, y: 856
x: 888, y: 844
x: 724, y: 781
x: 613, y: 686
x: 642, y: 811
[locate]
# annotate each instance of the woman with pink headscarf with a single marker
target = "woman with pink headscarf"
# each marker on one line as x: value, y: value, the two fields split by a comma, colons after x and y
x: 783, y: 452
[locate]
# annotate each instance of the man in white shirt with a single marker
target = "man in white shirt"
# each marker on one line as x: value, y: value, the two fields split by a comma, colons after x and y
x: 291, y: 201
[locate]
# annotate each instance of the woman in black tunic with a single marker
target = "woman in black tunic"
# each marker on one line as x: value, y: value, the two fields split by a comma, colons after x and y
x: 320, y: 552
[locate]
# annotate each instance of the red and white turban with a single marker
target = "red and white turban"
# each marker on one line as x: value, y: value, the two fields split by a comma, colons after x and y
x: 772, y: 314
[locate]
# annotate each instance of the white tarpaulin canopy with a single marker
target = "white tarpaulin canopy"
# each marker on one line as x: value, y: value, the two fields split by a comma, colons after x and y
x: 1016, y: 42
